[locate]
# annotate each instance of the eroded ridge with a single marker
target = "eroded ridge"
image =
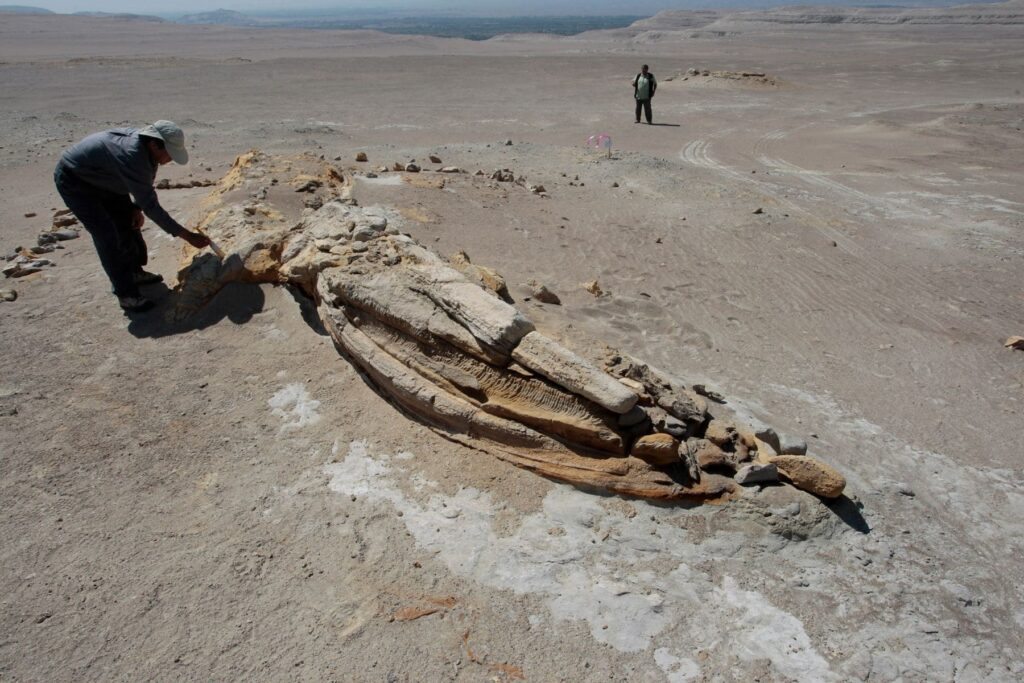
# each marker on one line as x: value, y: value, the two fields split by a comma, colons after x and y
x: 441, y: 341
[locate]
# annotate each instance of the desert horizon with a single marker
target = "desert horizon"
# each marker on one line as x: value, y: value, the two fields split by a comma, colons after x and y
x: 319, y: 457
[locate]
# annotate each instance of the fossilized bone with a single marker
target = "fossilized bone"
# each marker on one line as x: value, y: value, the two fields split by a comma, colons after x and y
x: 441, y: 341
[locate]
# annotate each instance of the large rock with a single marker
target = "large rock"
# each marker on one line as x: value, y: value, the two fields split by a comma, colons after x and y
x: 565, y: 368
x: 656, y: 449
x: 810, y: 475
x: 488, y: 278
x: 757, y: 473
x: 710, y: 457
x: 723, y: 434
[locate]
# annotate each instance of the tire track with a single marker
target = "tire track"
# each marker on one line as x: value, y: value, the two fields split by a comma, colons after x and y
x: 887, y: 279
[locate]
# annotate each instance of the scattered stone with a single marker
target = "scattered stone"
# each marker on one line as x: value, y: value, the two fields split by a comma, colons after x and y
x: 758, y: 211
x: 634, y: 417
x: 544, y: 295
x: 538, y: 189
x: 8, y: 295
x: 451, y: 169
x: 43, y: 249
x: 657, y: 449
x: 361, y: 156
x: 1015, y: 343
x: 64, y: 222
x: 508, y: 143
x: 790, y: 445
x: 434, y: 159
x: 30, y: 214
x: 480, y: 171
x: 637, y: 387
x: 503, y: 175
x: 371, y: 174
x: 673, y: 426
x: 768, y: 436
x: 166, y: 184
x: 489, y: 278
x: 359, y: 247
x: 412, y: 168
x: 593, y: 287
x: 309, y: 186
x: 682, y: 405
x: 61, y: 212
x: 708, y: 393
x: 757, y: 473
x: 397, y: 167
x: 64, y: 235
x: 615, y: 184
x: 810, y: 475
x: 22, y: 266
x: 46, y: 238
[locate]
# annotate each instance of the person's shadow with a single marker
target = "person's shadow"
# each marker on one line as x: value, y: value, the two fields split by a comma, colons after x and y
x: 236, y: 301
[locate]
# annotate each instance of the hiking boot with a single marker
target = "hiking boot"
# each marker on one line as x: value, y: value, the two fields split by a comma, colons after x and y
x: 142, y: 277
x: 135, y: 304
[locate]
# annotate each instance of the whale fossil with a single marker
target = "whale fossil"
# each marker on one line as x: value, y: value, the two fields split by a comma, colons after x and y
x: 441, y: 341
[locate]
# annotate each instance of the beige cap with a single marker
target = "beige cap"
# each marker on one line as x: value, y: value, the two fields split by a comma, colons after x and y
x: 173, y: 139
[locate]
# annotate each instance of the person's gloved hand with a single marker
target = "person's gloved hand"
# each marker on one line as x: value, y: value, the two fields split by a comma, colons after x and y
x: 196, y: 239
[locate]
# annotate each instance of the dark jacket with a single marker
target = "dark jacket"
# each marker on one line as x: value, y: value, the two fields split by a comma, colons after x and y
x: 654, y: 83
x: 117, y: 161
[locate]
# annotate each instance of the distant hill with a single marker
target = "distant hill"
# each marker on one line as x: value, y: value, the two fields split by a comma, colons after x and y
x: 668, y: 24
x: 119, y: 15
x: 23, y: 9
x: 221, y: 17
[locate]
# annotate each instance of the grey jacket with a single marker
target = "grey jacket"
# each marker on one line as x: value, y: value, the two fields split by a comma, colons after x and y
x: 636, y: 80
x: 117, y: 161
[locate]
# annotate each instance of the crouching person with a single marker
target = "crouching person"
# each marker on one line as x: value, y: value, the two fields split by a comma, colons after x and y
x: 107, y: 182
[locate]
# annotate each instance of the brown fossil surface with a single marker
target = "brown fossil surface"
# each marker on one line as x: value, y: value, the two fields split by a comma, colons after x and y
x: 441, y: 341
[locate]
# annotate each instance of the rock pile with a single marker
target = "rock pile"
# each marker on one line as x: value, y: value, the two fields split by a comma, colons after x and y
x: 166, y: 184
x: 752, y: 77
x: 438, y: 339
x: 26, y: 261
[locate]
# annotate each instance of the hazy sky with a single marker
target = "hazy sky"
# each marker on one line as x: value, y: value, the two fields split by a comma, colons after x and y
x: 476, y: 7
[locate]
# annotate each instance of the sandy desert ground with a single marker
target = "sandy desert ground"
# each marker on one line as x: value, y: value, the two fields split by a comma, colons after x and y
x: 229, y: 500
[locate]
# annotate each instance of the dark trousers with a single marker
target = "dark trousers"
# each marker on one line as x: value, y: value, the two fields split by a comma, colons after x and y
x: 646, y: 106
x: 107, y: 217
